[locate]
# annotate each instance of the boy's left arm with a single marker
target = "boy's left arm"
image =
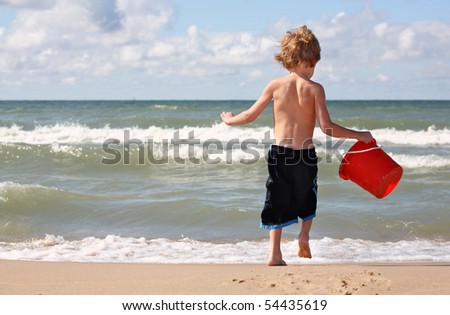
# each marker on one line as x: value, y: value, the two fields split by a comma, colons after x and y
x: 252, y: 113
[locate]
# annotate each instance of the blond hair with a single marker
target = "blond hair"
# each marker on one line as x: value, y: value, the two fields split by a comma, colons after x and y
x: 297, y: 46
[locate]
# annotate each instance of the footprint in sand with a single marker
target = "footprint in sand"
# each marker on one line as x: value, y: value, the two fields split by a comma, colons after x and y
x: 238, y: 281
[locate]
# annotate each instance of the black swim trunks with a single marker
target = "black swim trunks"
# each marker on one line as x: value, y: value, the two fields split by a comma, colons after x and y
x: 291, y: 187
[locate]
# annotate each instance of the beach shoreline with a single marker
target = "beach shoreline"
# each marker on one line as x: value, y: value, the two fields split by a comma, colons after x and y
x: 81, y: 278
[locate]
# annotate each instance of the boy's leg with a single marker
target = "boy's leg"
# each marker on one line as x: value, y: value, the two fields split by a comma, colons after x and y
x: 303, y: 240
x: 275, y: 256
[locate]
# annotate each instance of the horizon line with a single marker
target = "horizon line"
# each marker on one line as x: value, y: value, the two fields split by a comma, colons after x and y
x: 206, y: 100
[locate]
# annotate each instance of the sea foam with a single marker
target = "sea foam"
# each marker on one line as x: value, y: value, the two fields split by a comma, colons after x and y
x: 73, y: 133
x: 216, y: 144
x: 114, y: 248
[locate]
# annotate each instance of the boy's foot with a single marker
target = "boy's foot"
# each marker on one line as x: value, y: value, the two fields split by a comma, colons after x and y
x: 276, y: 263
x: 304, y: 250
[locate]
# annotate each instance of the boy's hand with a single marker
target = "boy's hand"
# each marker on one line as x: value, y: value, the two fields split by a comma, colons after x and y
x: 226, y: 116
x: 365, y: 136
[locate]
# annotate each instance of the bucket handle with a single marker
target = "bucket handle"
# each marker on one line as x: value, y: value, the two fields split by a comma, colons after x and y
x: 376, y: 147
x: 366, y: 150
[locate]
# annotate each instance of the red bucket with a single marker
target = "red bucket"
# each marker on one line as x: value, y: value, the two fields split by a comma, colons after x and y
x: 368, y: 166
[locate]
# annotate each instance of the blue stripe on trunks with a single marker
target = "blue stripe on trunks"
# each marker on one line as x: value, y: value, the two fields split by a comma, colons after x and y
x: 278, y: 226
x: 282, y: 225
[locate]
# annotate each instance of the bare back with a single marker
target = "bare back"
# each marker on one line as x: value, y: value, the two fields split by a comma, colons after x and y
x: 294, y: 111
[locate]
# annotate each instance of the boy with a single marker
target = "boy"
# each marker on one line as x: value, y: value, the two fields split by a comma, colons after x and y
x: 297, y: 103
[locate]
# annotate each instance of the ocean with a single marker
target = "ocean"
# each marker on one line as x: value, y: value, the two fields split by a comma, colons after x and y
x: 168, y: 182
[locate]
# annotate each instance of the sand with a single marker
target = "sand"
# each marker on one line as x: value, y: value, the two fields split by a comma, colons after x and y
x: 50, y: 278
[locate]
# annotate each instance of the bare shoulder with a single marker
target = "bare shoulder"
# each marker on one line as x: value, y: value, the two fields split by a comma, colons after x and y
x: 274, y: 85
x: 276, y: 82
x: 315, y: 85
x: 316, y: 88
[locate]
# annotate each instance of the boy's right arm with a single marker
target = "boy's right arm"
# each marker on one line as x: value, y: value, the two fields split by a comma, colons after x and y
x: 253, y: 112
x: 329, y: 127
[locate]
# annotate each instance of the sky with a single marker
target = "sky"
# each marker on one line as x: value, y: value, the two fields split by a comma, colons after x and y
x: 198, y: 49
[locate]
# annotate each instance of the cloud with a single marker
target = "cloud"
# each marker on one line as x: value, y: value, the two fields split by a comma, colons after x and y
x: 382, y: 77
x: 357, y: 47
x: 426, y: 39
x: 161, y: 50
x: 22, y: 40
x: 131, y: 55
x: 99, y: 37
x: 29, y: 4
x: 69, y: 80
x: 83, y: 37
x: 66, y: 41
x: 380, y: 29
x: 255, y: 74
x: 238, y: 49
x: 106, y: 16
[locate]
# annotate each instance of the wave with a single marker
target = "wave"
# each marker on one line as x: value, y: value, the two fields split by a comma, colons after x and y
x: 36, y: 199
x: 429, y: 137
x: 115, y: 248
x: 218, y: 144
x: 14, y: 191
x: 74, y: 133
x: 159, y: 154
x: 166, y: 107
x: 421, y: 161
